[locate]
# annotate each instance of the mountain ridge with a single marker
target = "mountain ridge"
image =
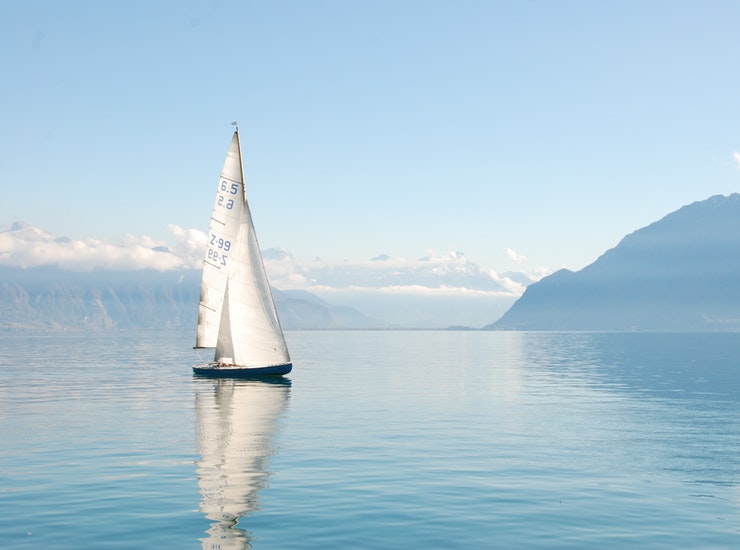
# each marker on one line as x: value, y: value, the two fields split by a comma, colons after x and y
x: 681, y: 272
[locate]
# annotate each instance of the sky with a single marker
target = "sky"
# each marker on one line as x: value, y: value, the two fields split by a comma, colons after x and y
x: 526, y: 134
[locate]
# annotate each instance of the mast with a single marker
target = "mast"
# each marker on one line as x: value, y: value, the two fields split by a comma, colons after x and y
x: 241, y: 162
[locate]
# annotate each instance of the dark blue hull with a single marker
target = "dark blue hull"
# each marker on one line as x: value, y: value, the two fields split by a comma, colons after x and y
x: 221, y: 371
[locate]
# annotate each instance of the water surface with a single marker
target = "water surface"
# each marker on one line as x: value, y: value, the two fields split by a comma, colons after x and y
x: 375, y: 440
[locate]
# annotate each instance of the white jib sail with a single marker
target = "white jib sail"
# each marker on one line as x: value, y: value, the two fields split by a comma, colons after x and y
x: 221, y: 245
x: 250, y: 334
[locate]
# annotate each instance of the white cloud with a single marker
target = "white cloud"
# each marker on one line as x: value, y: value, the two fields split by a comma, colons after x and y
x: 736, y: 156
x: 518, y: 258
x: 410, y: 290
x: 190, y: 244
x: 513, y: 287
x: 25, y: 246
x: 442, y: 290
x: 443, y: 275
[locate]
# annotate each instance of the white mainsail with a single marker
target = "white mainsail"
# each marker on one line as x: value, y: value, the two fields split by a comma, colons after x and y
x: 221, y: 245
x: 237, y: 313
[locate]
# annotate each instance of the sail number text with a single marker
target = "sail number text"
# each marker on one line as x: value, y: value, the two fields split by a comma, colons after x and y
x: 216, y: 257
x: 220, y: 243
x: 216, y: 248
x: 228, y: 203
x: 232, y: 189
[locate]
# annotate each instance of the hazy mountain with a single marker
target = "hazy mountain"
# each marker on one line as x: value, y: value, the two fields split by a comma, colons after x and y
x: 51, y: 298
x: 435, y: 291
x: 681, y: 273
x: 299, y: 309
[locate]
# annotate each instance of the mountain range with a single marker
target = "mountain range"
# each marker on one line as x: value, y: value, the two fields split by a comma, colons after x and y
x: 61, y: 283
x: 46, y: 298
x: 681, y: 273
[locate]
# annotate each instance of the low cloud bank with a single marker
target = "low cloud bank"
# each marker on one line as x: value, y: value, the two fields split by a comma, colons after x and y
x: 25, y: 246
x: 434, y: 291
x: 450, y: 274
x: 445, y: 275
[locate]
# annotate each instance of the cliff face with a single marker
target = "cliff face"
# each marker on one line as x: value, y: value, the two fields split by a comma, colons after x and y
x: 681, y: 273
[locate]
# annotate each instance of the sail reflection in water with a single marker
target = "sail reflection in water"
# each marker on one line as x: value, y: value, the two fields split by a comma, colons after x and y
x: 237, y: 420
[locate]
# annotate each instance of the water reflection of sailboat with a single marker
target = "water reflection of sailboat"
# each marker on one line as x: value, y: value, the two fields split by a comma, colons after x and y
x: 237, y: 420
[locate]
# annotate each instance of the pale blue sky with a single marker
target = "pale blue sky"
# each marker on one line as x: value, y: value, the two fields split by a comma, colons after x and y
x: 549, y: 127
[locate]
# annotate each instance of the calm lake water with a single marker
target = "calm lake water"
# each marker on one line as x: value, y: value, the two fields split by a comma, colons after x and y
x: 375, y: 440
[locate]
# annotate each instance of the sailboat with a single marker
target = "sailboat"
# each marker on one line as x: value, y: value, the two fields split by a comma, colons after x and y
x: 237, y: 314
